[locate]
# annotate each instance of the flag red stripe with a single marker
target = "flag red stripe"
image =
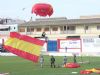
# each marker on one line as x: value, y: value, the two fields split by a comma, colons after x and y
x: 27, y: 38
x: 33, y: 40
x: 21, y: 53
x: 15, y: 35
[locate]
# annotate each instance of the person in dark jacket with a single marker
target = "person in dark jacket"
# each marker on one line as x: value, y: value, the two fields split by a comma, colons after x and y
x: 43, y: 34
x: 74, y: 55
x: 52, y: 61
x: 64, y: 60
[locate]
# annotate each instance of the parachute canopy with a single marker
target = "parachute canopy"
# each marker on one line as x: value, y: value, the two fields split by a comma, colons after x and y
x: 42, y: 9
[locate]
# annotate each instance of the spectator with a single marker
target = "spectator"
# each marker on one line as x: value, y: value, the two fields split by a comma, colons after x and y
x: 52, y: 61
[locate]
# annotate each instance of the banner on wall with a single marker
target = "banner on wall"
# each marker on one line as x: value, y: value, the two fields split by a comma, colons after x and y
x: 91, y: 45
x: 69, y: 45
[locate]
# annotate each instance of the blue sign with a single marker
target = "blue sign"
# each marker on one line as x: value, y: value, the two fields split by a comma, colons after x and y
x: 52, y: 45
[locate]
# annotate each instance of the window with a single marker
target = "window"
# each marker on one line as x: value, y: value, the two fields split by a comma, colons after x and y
x: 64, y: 28
x: 86, y: 27
x: 70, y: 27
x: 73, y: 36
x: 21, y: 29
x: 5, y: 28
x: 46, y: 29
x: 14, y: 27
x: 98, y: 27
x: 61, y: 28
x: 30, y: 29
x: 38, y: 29
x: 55, y: 28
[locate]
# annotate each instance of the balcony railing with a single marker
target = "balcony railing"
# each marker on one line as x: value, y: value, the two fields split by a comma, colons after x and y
x: 68, y: 32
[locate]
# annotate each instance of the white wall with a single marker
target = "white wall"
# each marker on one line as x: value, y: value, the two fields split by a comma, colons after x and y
x: 86, y: 45
x: 91, y: 45
x: 14, y: 27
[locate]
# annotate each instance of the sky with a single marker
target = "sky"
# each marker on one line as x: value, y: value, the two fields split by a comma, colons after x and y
x: 21, y: 9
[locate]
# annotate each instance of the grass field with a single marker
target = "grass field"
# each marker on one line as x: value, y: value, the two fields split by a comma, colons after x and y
x: 19, y: 66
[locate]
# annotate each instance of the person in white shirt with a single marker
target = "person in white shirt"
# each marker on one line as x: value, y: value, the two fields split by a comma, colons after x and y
x: 41, y: 61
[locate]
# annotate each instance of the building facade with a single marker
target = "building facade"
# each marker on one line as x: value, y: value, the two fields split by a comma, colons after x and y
x: 8, y: 25
x: 61, y: 27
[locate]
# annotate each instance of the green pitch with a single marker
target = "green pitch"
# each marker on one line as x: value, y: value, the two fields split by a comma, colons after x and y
x: 19, y: 66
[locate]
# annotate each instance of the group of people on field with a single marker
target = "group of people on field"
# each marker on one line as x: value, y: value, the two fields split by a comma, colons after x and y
x: 52, y: 61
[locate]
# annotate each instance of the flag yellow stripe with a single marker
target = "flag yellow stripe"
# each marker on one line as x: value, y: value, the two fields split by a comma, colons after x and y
x: 24, y: 46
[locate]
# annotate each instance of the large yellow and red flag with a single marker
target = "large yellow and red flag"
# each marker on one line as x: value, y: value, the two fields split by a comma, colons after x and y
x: 24, y: 46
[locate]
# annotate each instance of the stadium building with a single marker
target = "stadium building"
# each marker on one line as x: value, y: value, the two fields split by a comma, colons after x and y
x: 62, y: 27
x: 59, y: 27
x: 85, y: 31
